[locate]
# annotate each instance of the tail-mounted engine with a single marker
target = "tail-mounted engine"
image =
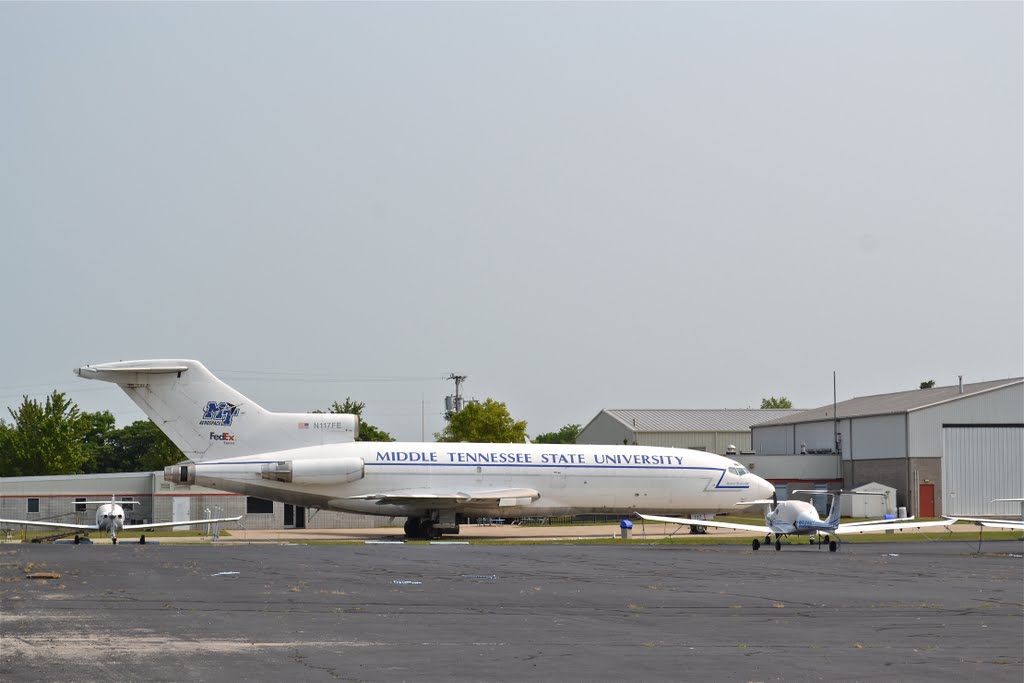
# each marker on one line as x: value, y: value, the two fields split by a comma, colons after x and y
x: 314, y: 471
x: 181, y: 474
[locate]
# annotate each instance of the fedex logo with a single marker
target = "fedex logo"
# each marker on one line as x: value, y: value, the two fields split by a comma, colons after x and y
x: 226, y: 437
x: 219, y: 413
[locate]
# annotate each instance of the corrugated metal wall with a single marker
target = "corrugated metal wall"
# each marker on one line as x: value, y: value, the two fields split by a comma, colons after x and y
x: 712, y: 442
x: 980, y: 464
x: 1003, y: 406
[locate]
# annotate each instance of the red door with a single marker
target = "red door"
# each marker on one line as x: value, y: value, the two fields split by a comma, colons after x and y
x: 926, y: 500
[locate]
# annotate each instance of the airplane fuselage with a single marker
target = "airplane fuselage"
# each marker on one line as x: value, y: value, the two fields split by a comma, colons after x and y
x: 571, y: 479
x: 110, y: 518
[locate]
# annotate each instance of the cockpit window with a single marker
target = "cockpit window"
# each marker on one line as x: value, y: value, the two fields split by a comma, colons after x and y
x: 738, y: 470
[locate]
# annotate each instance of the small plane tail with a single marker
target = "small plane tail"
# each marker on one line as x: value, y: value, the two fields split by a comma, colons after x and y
x: 207, y: 419
x: 834, y: 511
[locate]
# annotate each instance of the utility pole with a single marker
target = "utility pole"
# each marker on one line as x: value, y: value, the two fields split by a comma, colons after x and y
x: 453, y: 404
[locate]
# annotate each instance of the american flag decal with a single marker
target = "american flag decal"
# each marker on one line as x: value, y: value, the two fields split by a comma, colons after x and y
x: 303, y: 425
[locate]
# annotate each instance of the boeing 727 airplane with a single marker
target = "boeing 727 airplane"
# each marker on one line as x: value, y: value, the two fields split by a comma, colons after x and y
x: 314, y: 460
x: 800, y: 518
x: 110, y: 518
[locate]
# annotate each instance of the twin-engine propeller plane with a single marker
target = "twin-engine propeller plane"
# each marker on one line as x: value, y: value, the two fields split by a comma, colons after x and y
x: 110, y: 518
x: 314, y: 460
x: 800, y: 518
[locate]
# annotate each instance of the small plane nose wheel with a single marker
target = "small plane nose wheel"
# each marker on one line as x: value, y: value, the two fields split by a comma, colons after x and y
x: 755, y: 544
x: 768, y: 539
x: 142, y: 539
x: 778, y: 544
x: 114, y: 541
x: 77, y: 539
x: 811, y: 540
x: 832, y: 546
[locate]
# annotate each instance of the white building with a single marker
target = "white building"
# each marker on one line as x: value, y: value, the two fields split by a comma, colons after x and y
x: 54, y: 498
x: 946, y: 450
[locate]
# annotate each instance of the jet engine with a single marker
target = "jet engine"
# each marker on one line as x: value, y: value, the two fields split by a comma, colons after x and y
x: 180, y: 474
x: 314, y: 471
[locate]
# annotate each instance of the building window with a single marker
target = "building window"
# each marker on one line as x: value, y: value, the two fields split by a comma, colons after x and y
x: 79, y: 504
x: 255, y: 506
x: 33, y: 505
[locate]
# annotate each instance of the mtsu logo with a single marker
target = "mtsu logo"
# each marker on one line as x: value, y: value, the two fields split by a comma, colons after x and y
x: 219, y: 413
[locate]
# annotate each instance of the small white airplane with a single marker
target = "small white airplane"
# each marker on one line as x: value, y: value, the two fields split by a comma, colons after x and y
x: 1013, y: 524
x: 315, y: 461
x: 110, y: 518
x: 800, y: 518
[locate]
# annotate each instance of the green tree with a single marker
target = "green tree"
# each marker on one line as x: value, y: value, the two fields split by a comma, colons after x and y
x: 367, y: 432
x: 44, y: 439
x: 566, y: 434
x: 928, y: 385
x: 143, y: 447
x: 487, y: 422
x: 97, y: 442
x: 772, y: 402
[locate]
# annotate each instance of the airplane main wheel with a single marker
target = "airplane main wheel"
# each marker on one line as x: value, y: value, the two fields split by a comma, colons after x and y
x: 755, y: 544
x: 778, y: 545
x: 142, y: 539
x: 833, y: 546
x: 427, y: 529
x: 77, y: 539
x: 114, y: 541
x: 412, y: 527
x: 811, y: 540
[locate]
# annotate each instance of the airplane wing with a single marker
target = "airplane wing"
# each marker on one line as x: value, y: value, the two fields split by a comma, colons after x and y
x: 862, y: 527
x: 187, y: 522
x: 708, y: 522
x: 874, y: 522
x: 51, y: 525
x: 994, y: 523
x: 505, y: 497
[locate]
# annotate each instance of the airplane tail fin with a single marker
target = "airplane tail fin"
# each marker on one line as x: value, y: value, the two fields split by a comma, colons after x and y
x: 835, y: 510
x: 207, y: 419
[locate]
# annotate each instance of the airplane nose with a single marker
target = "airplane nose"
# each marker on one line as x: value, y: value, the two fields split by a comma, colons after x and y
x: 764, y: 488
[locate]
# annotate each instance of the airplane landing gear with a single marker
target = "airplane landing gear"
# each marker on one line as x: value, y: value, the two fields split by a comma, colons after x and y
x: 142, y: 539
x: 427, y: 529
x: 114, y: 540
x: 832, y: 546
x: 77, y: 539
x: 778, y: 544
x: 412, y: 527
x: 755, y: 544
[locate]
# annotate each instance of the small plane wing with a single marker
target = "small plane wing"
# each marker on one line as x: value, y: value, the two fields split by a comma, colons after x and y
x: 187, y: 522
x: 862, y: 527
x: 994, y: 523
x: 505, y: 497
x: 51, y: 525
x: 708, y: 522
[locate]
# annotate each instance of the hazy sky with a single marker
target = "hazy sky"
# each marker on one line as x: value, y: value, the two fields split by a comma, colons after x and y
x: 579, y: 206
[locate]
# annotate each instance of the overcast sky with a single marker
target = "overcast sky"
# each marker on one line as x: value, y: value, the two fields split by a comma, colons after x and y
x: 579, y: 206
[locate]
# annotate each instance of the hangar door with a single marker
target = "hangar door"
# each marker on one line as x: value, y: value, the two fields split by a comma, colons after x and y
x: 979, y: 463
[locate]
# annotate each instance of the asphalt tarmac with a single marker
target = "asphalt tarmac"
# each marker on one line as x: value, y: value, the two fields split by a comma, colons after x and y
x: 455, y: 612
